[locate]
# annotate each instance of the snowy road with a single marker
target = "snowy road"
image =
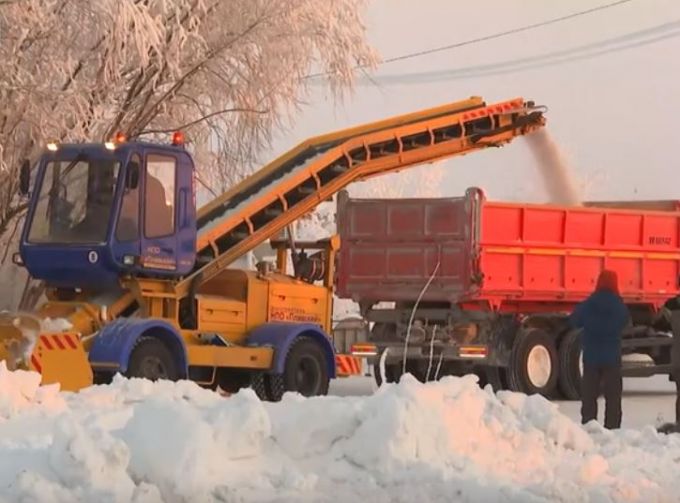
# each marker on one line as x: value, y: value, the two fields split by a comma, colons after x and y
x: 646, y: 401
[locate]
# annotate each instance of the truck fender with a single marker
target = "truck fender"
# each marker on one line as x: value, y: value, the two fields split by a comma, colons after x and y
x: 281, y: 336
x: 114, y: 343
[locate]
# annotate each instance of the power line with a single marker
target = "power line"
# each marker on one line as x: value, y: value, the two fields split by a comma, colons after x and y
x: 587, y: 51
x: 490, y: 37
x: 506, y: 33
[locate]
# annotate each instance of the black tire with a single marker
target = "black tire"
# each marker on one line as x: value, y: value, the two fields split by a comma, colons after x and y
x: 392, y: 372
x: 495, y: 376
x: 305, y: 371
x: 231, y: 380
x: 102, y: 378
x: 383, y: 332
x: 152, y: 360
x: 570, y: 373
x: 520, y: 378
x: 275, y: 387
x: 257, y: 383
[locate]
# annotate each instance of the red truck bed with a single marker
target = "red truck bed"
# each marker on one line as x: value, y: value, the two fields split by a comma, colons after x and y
x: 507, y: 256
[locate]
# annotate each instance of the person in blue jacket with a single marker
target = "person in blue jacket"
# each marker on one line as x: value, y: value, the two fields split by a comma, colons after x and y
x: 602, y: 318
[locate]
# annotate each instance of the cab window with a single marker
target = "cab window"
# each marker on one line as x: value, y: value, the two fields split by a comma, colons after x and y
x: 159, y: 196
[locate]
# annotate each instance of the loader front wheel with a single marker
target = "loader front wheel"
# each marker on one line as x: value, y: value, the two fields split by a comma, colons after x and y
x: 152, y: 360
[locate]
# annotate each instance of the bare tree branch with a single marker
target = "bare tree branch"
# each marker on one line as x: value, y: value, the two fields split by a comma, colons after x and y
x: 201, y: 119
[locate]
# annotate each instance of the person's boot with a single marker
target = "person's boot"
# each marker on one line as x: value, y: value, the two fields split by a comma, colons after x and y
x: 669, y: 428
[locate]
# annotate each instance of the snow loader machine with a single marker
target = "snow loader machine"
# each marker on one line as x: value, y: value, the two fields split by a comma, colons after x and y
x: 138, y: 280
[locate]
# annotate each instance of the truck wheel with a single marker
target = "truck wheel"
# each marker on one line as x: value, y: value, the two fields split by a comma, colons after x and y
x: 392, y: 373
x: 152, y: 360
x: 571, y: 365
x: 495, y: 376
x: 305, y: 371
x: 534, y: 363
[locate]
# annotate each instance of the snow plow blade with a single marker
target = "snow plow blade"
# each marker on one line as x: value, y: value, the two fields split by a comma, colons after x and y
x: 59, y: 357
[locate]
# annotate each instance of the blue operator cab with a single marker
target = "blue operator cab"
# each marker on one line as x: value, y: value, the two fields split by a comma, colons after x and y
x: 101, y: 211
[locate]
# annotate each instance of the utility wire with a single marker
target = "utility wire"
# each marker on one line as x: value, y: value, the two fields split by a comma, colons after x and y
x: 489, y: 37
x: 586, y: 51
x: 506, y: 33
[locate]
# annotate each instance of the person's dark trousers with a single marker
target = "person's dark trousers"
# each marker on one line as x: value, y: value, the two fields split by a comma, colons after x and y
x: 677, y: 401
x: 605, y: 378
x: 676, y: 376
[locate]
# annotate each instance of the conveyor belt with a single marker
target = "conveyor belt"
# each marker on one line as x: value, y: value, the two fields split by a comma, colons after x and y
x: 274, y: 197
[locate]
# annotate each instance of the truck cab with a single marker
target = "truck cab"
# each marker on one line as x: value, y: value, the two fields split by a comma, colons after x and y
x: 100, y: 211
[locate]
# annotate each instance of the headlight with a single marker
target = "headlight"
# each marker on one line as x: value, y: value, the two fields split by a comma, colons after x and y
x: 16, y: 259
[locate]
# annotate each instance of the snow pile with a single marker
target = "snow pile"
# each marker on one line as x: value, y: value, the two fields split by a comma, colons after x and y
x: 175, y: 442
x: 30, y: 327
x: 55, y: 325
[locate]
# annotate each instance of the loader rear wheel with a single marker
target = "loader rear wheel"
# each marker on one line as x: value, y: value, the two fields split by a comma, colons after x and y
x: 534, y: 363
x: 259, y: 386
x: 152, y: 360
x: 571, y: 366
x: 305, y: 371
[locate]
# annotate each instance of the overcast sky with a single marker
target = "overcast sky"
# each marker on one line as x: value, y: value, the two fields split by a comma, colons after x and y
x: 615, y: 115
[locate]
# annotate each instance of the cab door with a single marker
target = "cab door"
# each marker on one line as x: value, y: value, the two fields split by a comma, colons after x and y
x: 126, y: 241
x: 160, y: 194
x: 186, y: 214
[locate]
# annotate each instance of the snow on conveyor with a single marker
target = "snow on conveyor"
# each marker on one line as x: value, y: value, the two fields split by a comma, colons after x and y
x: 445, y: 441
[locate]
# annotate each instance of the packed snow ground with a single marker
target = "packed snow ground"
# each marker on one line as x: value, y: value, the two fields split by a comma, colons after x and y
x: 446, y: 441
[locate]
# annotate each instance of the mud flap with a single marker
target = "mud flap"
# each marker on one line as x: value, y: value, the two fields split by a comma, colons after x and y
x: 61, y: 358
x: 347, y: 365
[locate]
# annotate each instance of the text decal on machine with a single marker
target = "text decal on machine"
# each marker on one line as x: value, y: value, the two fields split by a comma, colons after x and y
x: 292, y: 314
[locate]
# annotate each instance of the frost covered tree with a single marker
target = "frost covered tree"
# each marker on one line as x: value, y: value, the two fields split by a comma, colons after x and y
x: 227, y: 72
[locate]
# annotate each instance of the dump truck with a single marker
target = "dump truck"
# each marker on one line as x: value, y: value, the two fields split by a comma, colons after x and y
x: 469, y: 285
x: 138, y: 280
